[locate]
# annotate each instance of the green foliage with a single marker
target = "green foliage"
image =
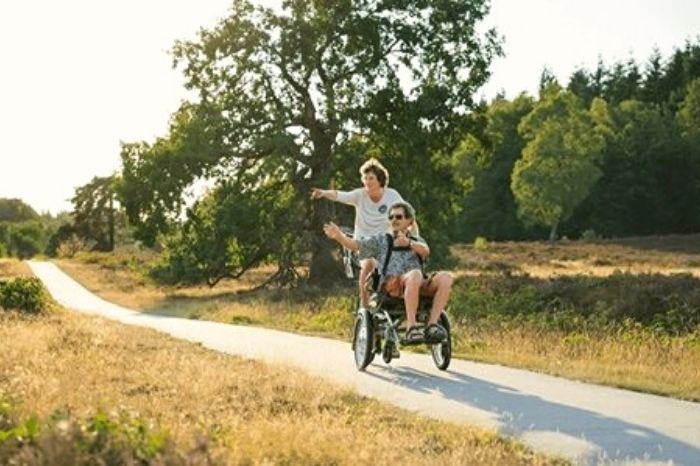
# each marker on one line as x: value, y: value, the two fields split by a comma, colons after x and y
x: 102, y: 439
x: 302, y: 88
x: 26, y: 295
x: 231, y: 230
x: 155, y: 176
x: 649, y: 164
x: 689, y: 114
x: 589, y: 235
x: 481, y: 243
x: 24, y: 233
x: 6, y: 421
x: 15, y: 210
x: 24, y: 432
x: 558, y: 166
x: 648, y: 177
x: 65, y: 234
x: 95, y: 214
x: 661, y: 82
x: 484, y: 162
x: 23, y: 239
x: 622, y: 82
x: 667, y: 304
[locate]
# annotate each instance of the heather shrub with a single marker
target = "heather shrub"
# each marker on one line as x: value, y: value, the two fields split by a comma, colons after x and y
x: 101, y: 439
x: 667, y: 304
x: 26, y: 295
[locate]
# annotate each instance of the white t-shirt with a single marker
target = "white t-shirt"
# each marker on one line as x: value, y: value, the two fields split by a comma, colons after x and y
x: 371, y: 218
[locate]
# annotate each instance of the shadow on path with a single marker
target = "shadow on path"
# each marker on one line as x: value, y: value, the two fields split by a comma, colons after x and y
x: 521, y: 413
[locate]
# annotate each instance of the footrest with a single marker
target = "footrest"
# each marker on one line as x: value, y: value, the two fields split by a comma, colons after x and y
x: 405, y: 342
x: 422, y: 341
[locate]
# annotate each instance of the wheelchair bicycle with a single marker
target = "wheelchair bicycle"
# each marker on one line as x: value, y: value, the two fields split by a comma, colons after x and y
x: 377, y: 328
x: 377, y: 331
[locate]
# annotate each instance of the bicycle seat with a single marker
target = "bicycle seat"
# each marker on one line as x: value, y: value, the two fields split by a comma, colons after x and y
x: 396, y: 305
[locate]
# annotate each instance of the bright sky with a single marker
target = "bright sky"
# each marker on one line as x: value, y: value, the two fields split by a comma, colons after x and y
x: 79, y: 76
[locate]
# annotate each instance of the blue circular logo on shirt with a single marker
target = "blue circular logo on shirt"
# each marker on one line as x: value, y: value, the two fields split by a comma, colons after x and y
x: 382, y: 209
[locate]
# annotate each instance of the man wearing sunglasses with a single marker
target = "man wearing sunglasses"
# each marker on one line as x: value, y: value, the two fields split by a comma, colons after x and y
x: 403, y: 276
x: 371, y: 203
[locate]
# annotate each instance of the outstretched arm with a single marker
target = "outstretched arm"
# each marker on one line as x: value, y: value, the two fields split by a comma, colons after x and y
x: 330, y: 194
x: 333, y: 232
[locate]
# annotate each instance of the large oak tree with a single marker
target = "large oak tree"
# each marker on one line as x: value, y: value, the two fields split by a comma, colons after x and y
x: 288, y: 93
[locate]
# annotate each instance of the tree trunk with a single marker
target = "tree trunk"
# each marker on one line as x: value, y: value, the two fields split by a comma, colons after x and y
x: 553, y: 232
x: 324, y: 268
x: 111, y: 221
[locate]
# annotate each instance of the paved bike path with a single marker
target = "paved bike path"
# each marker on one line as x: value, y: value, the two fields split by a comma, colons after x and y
x: 584, y: 422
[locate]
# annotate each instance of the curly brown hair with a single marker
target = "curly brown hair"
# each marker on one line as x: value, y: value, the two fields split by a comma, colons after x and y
x: 375, y: 167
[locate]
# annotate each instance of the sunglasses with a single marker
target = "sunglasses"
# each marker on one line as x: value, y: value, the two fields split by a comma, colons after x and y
x: 396, y: 216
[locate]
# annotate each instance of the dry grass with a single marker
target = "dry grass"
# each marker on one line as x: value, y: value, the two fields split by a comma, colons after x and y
x: 637, y: 360
x: 228, y: 302
x: 656, y: 254
x: 252, y: 413
x: 10, y: 268
x: 126, y: 288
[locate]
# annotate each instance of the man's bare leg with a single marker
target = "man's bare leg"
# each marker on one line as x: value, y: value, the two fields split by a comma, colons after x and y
x: 440, y: 287
x: 366, y: 268
x: 411, y: 294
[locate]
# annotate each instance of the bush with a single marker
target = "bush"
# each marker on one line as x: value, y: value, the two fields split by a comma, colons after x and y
x: 101, y: 439
x: 589, y: 235
x: 135, y: 261
x: 23, y: 239
x: 24, y: 294
x: 68, y: 248
x: 666, y: 304
x: 480, y: 243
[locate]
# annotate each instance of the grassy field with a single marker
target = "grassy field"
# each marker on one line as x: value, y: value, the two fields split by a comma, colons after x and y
x: 564, y: 334
x: 216, y: 409
x: 13, y: 268
x: 666, y: 255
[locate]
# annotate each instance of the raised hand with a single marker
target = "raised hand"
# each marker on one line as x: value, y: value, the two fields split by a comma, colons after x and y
x: 401, y: 238
x: 332, y: 231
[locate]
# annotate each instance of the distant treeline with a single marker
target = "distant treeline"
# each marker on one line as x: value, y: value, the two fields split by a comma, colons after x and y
x: 23, y: 232
x: 637, y: 127
x: 95, y: 224
x: 614, y: 152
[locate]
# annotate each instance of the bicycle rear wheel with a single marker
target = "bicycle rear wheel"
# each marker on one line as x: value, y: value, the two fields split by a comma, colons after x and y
x: 442, y: 352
